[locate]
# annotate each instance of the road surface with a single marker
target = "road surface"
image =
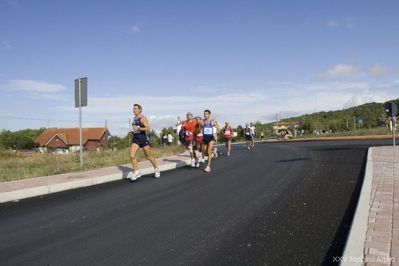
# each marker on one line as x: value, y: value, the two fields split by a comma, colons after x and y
x: 281, y: 203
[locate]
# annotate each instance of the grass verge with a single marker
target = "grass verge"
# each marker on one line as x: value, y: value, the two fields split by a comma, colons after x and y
x: 15, y: 166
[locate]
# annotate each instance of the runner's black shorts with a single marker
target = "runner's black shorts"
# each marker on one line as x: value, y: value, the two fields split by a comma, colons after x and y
x: 207, y: 139
x: 140, y: 139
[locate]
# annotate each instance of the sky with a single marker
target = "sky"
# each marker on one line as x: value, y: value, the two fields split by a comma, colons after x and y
x: 246, y: 61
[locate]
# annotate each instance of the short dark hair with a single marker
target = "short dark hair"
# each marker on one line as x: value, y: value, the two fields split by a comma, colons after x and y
x: 138, y: 105
x: 208, y: 111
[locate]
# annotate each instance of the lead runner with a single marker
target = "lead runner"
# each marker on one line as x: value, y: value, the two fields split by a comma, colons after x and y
x: 208, y: 125
x: 140, y: 127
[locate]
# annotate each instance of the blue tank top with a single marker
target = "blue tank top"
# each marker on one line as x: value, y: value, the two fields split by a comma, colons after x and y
x: 207, y: 129
x: 137, y: 122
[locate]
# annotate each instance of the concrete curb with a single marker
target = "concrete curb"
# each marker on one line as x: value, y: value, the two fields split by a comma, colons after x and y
x: 17, y: 195
x: 354, y: 248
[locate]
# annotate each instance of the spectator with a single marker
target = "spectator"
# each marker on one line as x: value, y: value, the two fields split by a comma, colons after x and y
x: 170, y: 139
x: 164, y: 140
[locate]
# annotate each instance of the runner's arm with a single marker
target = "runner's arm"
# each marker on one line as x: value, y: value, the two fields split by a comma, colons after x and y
x: 146, y: 127
x: 215, y: 123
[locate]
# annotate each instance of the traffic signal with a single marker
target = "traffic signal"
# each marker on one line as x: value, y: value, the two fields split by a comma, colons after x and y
x: 391, y: 109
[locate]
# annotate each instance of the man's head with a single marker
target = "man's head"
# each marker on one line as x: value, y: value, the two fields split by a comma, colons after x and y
x: 137, y: 109
x: 207, y: 113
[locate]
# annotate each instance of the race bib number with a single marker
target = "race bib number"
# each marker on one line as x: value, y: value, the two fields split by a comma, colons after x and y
x: 247, y: 133
x: 208, y: 131
x: 227, y: 132
x: 188, y: 133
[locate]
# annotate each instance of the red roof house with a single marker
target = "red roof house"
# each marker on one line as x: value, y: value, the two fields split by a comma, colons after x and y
x: 68, y: 138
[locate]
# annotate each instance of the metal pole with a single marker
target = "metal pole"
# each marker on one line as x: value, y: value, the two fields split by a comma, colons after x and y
x: 393, y: 131
x: 80, y: 126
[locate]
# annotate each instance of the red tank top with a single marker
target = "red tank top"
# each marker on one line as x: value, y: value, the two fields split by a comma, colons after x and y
x: 190, y: 128
x: 227, y: 132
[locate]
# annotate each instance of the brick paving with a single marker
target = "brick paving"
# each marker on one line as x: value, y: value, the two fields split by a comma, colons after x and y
x: 381, y: 245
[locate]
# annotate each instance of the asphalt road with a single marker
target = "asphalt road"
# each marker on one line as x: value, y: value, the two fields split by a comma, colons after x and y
x: 278, y: 204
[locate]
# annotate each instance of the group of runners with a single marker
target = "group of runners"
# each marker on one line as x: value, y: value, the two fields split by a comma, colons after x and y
x: 200, y: 135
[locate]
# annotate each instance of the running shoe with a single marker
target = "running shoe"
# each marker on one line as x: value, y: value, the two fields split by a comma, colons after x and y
x: 192, y: 162
x: 197, y: 163
x: 207, y: 169
x: 157, y: 173
x: 130, y: 175
x: 228, y: 153
x: 134, y: 175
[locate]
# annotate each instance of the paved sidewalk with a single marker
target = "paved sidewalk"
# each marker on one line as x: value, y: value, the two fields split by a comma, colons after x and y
x: 26, y: 188
x: 374, y: 237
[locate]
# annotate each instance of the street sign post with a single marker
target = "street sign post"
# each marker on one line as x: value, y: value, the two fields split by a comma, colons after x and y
x: 80, y: 100
x: 391, y: 109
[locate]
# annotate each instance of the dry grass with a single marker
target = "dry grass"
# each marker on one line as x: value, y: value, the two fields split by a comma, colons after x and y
x: 14, y: 166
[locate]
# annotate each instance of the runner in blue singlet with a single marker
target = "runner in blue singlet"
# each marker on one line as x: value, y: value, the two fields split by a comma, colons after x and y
x: 140, y: 127
x: 208, y: 136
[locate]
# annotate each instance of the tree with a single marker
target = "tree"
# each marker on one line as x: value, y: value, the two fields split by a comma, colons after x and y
x: 22, y: 139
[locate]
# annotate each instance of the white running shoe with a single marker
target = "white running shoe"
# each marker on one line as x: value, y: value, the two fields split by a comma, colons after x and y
x: 197, y: 162
x: 249, y: 147
x: 157, y: 173
x: 207, y: 169
x: 130, y: 175
x: 228, y: 153
x: 192, y: 162
x: 134, y: 175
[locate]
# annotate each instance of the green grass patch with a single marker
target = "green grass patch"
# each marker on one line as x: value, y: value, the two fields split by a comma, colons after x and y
x: 15, y: 166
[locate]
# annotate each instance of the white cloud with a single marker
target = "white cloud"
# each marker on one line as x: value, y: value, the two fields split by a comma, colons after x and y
x: 338, y: 86
x: 284, y: 99
x: 339, y: 71
x: 378, y: 70
x: 348, y: 23
x: 356, y: 100
x: 333, y: 24
x: 34, y: 86
x: 135, y: 29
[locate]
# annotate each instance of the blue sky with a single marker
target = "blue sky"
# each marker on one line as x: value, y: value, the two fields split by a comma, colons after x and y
x: 244, y: 60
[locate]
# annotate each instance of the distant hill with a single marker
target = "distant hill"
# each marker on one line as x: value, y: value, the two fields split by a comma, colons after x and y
x: 369, y: 115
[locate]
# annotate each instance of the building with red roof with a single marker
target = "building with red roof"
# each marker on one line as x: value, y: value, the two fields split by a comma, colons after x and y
x: 68, y: 138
